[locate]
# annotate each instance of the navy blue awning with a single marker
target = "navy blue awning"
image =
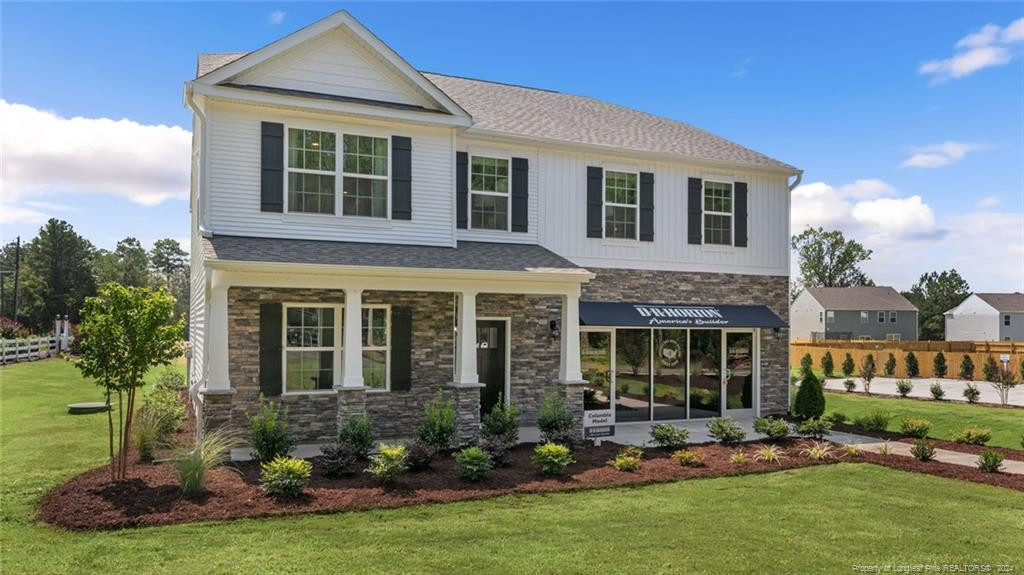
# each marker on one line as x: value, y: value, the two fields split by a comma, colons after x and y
x: 623, y: 314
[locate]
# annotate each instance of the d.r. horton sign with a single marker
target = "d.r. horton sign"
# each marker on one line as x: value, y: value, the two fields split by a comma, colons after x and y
x: 681, y: 315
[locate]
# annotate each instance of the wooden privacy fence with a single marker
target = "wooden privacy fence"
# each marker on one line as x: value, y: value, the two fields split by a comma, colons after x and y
x: 15, y: 350
x: 925, y: 351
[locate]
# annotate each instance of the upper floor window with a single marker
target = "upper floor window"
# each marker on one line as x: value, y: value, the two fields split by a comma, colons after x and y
x: 892, y: 317
x: 488, y: 188
x: 830, y: 316
x: 1006, y: 319
x: 364, y: 171
x: 718, y: 213
x: 864, y: 317
x: 620, y: 205
x: 311, y: 171
x: 881, y: 317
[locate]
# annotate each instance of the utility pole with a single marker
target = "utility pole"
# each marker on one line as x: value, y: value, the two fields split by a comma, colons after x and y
x: 17, y: 274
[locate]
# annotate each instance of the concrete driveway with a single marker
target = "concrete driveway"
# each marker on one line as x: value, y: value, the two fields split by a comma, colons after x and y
x: 922, y: 388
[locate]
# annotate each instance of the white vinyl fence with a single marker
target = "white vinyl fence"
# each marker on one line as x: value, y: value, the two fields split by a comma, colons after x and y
x: 15, y: 350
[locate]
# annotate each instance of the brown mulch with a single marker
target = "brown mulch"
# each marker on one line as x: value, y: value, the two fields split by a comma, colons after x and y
x: 150, y: 495
x: 1007, y: 452
x: 947, y: 470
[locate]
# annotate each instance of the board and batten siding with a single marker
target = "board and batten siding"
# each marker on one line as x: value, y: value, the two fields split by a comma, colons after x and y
x: 562, y: 181
x: 233, y: 201
x: 493, y: 150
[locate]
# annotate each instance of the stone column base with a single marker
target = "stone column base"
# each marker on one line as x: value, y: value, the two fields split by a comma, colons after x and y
x: 351, y: 403
x: 216, y: 412
x: 467, y: 413
x: 572, y: 394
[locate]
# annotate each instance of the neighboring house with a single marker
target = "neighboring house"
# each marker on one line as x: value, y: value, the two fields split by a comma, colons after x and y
x: 366, y: 235
x: 987, y: 317
x: 878, y: 313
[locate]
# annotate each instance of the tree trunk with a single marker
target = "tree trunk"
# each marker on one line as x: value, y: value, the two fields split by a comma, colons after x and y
x: 120, y: 432
x: 126, y: 439
x: 110, y: 429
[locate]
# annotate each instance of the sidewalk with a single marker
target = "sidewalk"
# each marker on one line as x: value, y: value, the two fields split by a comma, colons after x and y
x: 945, y: 456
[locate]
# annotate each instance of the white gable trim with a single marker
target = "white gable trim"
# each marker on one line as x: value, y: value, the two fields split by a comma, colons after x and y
x: 336, y: 20
x: 973, y: 299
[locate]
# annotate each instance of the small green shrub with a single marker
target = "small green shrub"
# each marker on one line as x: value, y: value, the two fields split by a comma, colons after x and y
x: 990, y: 461
x: 915, y: 427
x: 628, y: 459
x: 553, y: 416
x: 937, y: 392
x: 904, y: 387
x: 389, y: 462
x: 850, y: 385
x: 212, y: 450
x: 818, y: 451
x: 774, y: 428
x: 972, y: 393
x: 268, y: 428
x: 923, y: 450
x: 357, y: 432
x: 848, y: 365
x: 890, y: 366
x: 739, y: 458
x: 810, y: 399
x: 552, y: 458
x: 150, y: 431
x: 420, y: 456
x: 816, y: 428
x: 852, y: 450
x: 285, y: 477
x: 910, y: 362
x: 501, y: 421
x: 337, y: 459
x: 939, y: 366
x: 828, y: 366
x: 974, y: 435
x: 877, y: 420
x: 165, y: 401
x: 438, y: 429
x: 837, y: 417
x: 474, y: 464
x: 769, y: 454
x: 967, y: 368
x: 806, y: 363
x: 668, y: 436
x: 688, y: 457
x: 726, y: 430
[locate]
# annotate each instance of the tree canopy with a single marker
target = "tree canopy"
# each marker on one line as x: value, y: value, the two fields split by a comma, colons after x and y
x: 828, y: 259
x: 935, y: 294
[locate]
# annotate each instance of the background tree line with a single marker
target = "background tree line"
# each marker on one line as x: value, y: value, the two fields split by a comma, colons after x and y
x: 60, y: 268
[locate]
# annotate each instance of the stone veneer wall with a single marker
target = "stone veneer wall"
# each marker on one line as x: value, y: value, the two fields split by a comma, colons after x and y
x: 651, y: 286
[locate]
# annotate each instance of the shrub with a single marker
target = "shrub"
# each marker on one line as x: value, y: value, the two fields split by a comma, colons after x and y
x: 837, y: 417
x: 688, y: 458
x: 498, y: 447
x: 420, y: 455
x: 867, y: 371
x: 501, y: 421
x: 150, y: 433
x: 850, y: 385
x: 165, y: 402
x: 939, y: 366
x: 848, y: 365
x: 937, y: 392
x: 726, y: 430
x: 212, y: 450
x: 904, y: 387
x: 474, y: 463
x: 818, y: 451
x: 356, y: 432
x: 806, y: 364
x: 10, y: 329
x: 667, y: 435
x: 552, y: 458
x: 774, y: 428
x: 337, y: 459
x: 923, y: 450
x: 972, y: 393
x: 553, y: 417
x: 967, y: 368
x: 628, y: 459
x: 769, y: 454
x: 974, y: 435
x: 816, y: 428
x: 739, y: 458
x: 1004, y: 382
x: 877, y: 420
x: 389, y: 462
x: 810, y: 399
x: 828, y: 366
x: 170, y: 378
x: 285, y: 476
x: 990, y: 369
x: 915, y: 427
x: 852, y: 450
x: 269, y: 432
x: 990, y: 461
x: 910, y: 362
x: 438, y: 429
x: 890, y: 366
x: 885, y: 449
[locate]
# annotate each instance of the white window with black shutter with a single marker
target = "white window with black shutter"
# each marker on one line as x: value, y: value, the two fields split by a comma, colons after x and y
x: 621, y: 204
x: 717, y: 212
x: 489, y: 193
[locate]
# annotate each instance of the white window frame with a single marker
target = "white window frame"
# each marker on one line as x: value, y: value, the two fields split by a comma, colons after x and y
x: 288, y: 169
x: 605, y: 204
x: 507, y: 195
x: 830, y: 316
x: 893, y: 337
x: 385, y: 348
x: 731, y: 214
x: 336, y: 347
x: 865, y: 317
x: 881, y: 317
x: 892, y: 317
x: 339, y: 164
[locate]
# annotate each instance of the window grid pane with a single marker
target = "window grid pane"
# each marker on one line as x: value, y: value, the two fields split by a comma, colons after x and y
x: 718, y: 197
x: 489, y: 212
x: 365, y: 197
x: 365, y: 155
x: 717, y: 229
x: 620, y: 222
x: 309, y: 370
x: 311, y: 150
x: 309, y: 327
x: 619, y: 188
x: 489, y: 175
x: 310, y: 193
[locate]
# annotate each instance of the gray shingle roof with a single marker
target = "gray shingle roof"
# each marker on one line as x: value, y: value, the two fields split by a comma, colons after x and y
x: 536, y: 113
x: 467, y: 256
x: 863, y: 298
x: 1004, y: 302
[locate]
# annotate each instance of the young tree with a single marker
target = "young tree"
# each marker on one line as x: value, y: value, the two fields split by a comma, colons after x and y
x: 967, y: 368
x: 913, y: 369
x: 990, y: 369
x: 1004, y: 381
x: 867, y: 371
x: 828, y: 259
x: 56, y: 274
x: 127, y: 265
x: 810, y: 399
x: 848, y: 365
x: 827, y: 364
x: 890, y: 365
x: 806, y: 364
x: 124, y: 332
x: 939, y: 366
x: 934, y: 294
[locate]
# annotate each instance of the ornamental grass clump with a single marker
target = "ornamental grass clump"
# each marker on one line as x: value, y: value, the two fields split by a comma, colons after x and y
x: 474, y: 464
x: 774, y: 428
x: 818, y: 451
x: 150, y: 433
x: 769, y: 454
x: 268, y: 429
x: 628, y: 459
x: 357, y: 434
x: 668, y: 436
x: 688, y: 457
x: 552, y: 458
x: 285, y: 477
x: 915, y: 427
x: 726, y: 430
x: 739, y: 458
x: 209, y: 452
x: 974, y: 435
x: 389, y: 462
x: 990, y: 461
x: 852, y: 450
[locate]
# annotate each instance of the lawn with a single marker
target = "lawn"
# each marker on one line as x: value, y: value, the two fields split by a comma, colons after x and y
x: 816, y: 520
x: 947, y: 417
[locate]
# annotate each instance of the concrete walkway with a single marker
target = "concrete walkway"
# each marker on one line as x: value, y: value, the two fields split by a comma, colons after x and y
x: 944, y: 455
x: 954, y: 388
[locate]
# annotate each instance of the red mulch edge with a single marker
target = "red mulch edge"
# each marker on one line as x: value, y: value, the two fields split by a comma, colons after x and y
x: 947, y: 470
x: 928, y: 399
x: 1007, y: 452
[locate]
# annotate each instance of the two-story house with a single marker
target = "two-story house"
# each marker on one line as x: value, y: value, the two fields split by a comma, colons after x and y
x: 862, y: 312
x: 987, y: 317
x: 367, y: 235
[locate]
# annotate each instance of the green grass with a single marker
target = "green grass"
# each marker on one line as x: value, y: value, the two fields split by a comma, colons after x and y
x: 816, y: 520
x: 947, y: 418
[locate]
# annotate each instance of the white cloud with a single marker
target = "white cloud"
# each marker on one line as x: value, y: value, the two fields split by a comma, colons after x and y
x: 988, y: 202
x: 867, y: 189
x: 938, y: 155
x: 894, y: 214
x: 859, y: 207
x: 48, y: 154
x: 987, y: 48
x: 275, y: 17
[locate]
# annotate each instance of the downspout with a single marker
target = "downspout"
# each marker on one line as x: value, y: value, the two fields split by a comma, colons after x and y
x: 200, y: 189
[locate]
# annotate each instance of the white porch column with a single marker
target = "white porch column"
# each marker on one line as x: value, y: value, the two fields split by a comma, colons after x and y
x: 465, y: 372
x: 569, y: 365
x: 217, y: 340
x: 352, y: 364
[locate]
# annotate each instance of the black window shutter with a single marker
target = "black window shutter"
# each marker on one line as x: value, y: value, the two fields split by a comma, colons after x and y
x: 461, y: 189
x: 401, y: 178
x: 695, y: 210
x: 595, y: 203
x: 520, y: 194
x: 401, y: 348
x: 646, y: 207
x: 740, y: 214
x: 272, y: 167
x: 270, y: 348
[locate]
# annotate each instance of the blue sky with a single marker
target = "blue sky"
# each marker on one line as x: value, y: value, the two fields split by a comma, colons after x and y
x: 907, y: 119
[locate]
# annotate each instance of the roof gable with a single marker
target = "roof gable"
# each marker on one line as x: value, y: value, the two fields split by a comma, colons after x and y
x: 863, y: 298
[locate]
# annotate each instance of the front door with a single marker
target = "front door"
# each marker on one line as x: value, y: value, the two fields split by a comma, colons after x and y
x: 490, y: 362
x: 739, y: 371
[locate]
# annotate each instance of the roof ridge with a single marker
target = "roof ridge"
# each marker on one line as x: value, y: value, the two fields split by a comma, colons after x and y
x: 493, y: 82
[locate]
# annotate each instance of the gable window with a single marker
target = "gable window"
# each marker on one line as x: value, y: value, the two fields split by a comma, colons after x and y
x: 364, y: 171
x: 892, y: 317
x: 309, y: 348
x: 311, y: 169
x: 830, y: 316
x: 488, y: 188
x: 620, y: 205
x: 864, y: 317
x: 881, y: 317
x: 1006, y: 319
x: 717, y: 213
x: 376, y: 348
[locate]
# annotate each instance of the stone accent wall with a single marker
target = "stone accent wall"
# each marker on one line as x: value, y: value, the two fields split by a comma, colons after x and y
x: 467, y: 413
x: 651, y: 286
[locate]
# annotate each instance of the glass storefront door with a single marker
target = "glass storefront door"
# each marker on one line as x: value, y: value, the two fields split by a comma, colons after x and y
x: 632, y: 375
x: 739, y: 370
x: 669, y: 374
x: 596, y: 365
x: 705, y: 373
